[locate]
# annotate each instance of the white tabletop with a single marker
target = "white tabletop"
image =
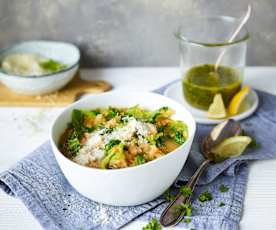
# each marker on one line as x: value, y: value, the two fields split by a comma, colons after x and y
x: 23, y: 129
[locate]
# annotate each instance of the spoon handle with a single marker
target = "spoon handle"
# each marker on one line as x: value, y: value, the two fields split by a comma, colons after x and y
x: 170, y: 217
x: 234, y: 35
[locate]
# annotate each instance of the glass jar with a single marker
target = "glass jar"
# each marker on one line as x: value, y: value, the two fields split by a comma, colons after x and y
x: 201, y: 42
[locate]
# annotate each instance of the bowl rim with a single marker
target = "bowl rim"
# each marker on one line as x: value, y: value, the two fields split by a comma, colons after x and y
x: 72, y: 66
x: 74, y: 164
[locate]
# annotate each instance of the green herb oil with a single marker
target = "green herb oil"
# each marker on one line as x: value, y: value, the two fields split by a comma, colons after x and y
x: 201, y: 83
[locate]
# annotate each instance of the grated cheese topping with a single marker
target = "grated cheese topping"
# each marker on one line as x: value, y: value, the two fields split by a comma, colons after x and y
x: 93, y: 149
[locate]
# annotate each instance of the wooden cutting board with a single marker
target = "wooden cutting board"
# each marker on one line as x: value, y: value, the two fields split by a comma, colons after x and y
x: 70, y: 93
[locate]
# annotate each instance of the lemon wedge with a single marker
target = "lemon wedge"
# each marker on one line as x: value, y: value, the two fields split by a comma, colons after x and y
x: 217, y: 108
x: 231, y: 147
x: 237, y: 101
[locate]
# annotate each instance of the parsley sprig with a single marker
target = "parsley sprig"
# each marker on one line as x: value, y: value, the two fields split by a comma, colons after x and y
x: 223, y: 188
x: 152, y: 225
x: 205, y: 196
x: 185, y: 191
x: 169, y: 196
x: 181, y: 208
x: 221, y: 204
x: 187, y: 208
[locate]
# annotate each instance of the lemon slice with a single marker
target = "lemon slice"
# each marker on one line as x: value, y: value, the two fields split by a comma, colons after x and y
x: 231, y: 147
x: 217, y: 108
x: 237, y: 101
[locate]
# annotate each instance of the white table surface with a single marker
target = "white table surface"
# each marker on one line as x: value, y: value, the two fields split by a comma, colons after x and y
x: 23, y: 129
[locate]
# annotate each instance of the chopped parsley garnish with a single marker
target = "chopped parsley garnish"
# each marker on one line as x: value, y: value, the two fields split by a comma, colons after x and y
x: 161, y: 129
x: 139, y: 159
x: 156, y: 139
x: 108, y: 130
x: 223, y: 188
x: 221, y: 204
x: 112, y: 112
x: 177, y: 131
x: 89, y: 130
x: 185, y: 191
x: 205, y: 196
x: 151, y: 139
x: 160, y: 142
x: 111, y: 144
x: 187, y: 208
x: 169, y: 196
x: 187, y: 220
x: 157, y: 113
x: 179, y: 138
x: 152, y: 225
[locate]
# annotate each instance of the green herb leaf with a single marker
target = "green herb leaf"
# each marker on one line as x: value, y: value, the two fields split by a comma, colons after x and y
x: 156, y: 139
x: 112, y: 112
x: 160, y: 112
x: 77, y: 122
x: 185, y: 191
x: 139, y: 159
x: 52, y: 66
x: 178, y: 131
x: 221, y: 204
x: 111, y: 144
x: 223, y: 188
x: 78, y: 117
x: 205, y: 196
x: 187, y: 208
x: 89, y: 130
x: 109, y: 130
x: 119, y: 158
x: 138, y: 113
x: 169, y: 196
x: 187, y: 220
x: 152, y: 225
x: 179, y: 138
x: 72, y: 145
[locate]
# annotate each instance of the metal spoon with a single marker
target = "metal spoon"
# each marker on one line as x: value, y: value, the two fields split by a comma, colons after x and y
x: 220, y: 132
x: 234, y: 35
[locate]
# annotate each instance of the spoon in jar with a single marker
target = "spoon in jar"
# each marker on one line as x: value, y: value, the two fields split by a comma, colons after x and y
x: 224, y: 130
x: 234, y: 35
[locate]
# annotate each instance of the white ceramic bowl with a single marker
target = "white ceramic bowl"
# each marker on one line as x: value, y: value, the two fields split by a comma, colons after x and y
x: 37, y: 85
x: 128, y: 186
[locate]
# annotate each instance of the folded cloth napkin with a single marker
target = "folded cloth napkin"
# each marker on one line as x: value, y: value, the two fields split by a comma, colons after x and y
x: 39, y: 183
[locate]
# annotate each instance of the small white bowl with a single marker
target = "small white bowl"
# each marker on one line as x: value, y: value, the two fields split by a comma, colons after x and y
x: 63, y: 52
x: 128, y: 186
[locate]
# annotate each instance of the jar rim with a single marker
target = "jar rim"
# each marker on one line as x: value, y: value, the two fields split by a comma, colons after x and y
x: 244, y: 38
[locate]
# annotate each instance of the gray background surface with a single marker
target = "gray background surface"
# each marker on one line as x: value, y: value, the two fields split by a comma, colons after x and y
x: 130, y: 32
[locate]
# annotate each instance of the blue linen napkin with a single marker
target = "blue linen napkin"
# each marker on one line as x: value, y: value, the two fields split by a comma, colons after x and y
x: 39, y: 183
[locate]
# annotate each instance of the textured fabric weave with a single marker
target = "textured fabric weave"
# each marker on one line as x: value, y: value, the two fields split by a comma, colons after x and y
x: 39, y: 183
